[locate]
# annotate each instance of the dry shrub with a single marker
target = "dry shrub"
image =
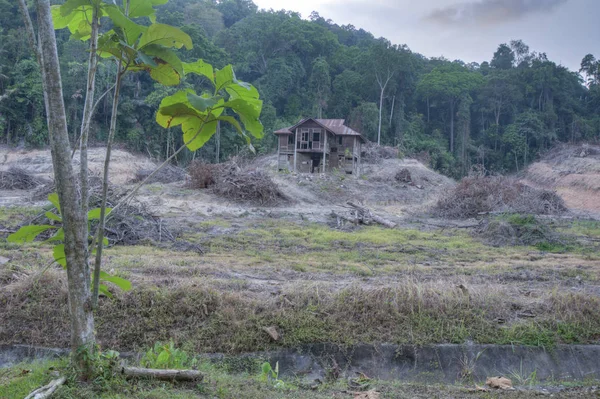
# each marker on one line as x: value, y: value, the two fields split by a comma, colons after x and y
x: 479, y: 195
x: 403, y: 176
x: 517, y: 230
x: 244, y: 185
x: 167, y: 174
x: 374, y: 153
x: 202, y: 175
x: 18, y: 179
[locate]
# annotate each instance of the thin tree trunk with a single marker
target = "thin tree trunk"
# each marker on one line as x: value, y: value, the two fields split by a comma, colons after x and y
x: 392, y: 112
x: 102, y: 220
x: 380, y: 109
x: 427, y: 109
x: 75, y: 223
x: 218, y: 141
x: 88, y: 109
x: 452, y: 105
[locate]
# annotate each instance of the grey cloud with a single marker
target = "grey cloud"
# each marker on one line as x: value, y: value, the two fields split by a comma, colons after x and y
x: 491, y: 11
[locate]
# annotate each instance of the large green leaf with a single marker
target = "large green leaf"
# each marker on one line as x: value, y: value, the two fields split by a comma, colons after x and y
x: 58, y: 236
x: 123, y: 284
x: 143, y: 8
x: 78, y: 21
x: 176, y: 114
x: 28, y: 233
x: 197, y: 132
x: 250, y: 108
x: 131, y: 30
x: 94, y: 214
x: 167, y: 55
x: 165, y: 75
x: 53, y: 198
x: 59, y: 255
x: 224, y: 77
x: 232, y: 121
x: 70, y: 5
x: 165, y: 35
x: 200, y: 68
x: 244, y: 91
x: 203, y: 103
x: 103, y: 289
x: 53, y: 216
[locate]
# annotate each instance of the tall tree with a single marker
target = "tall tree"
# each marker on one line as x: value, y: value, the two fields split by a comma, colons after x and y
x: 504, y: 58
x: 450, y: 82
x: 320, y: 84
x: 384, y: 62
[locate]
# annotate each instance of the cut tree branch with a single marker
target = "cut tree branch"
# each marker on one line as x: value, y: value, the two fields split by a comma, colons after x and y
x: 165, y: 375
x: 47, y: 390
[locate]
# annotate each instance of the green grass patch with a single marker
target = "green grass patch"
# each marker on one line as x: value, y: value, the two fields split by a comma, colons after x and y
x: 15, y: 216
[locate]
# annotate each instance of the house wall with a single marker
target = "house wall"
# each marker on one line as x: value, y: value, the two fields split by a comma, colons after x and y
x: 304, y: 163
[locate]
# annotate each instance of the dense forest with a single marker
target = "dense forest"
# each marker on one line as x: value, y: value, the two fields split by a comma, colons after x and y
x: 497, y: 115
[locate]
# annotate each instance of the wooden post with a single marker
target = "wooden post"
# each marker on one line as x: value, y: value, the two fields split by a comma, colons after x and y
x: 279, y: 152
x: 324, y: 150
x: 295, y: 148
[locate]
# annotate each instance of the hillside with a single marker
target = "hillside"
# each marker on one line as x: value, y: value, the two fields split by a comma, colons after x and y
x: 574, y: 172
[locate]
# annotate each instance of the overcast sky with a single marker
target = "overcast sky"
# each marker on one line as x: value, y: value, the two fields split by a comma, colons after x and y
x: 470, y: 30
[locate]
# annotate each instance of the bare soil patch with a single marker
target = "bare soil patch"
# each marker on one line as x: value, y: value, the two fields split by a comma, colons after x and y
x: 573, y: 171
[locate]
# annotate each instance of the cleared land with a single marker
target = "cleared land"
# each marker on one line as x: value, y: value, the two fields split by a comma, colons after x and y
x: 292, y: 267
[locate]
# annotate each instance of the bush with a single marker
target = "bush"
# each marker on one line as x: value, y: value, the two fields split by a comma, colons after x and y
x: 479, y: 195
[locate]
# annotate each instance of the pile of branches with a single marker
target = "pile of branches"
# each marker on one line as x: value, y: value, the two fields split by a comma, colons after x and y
x: 375, y: 154
x: 18, y: 179
x: 202, y: 174
x: 246, y: 185
x: 130, y: 224
x: 475, y: 196
x: 167, y: 174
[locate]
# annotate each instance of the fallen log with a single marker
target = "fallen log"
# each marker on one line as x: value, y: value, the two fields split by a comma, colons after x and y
x: 344, y: 217
x: 367, y: 214
x: 165, y: 375
x: 47, y: 390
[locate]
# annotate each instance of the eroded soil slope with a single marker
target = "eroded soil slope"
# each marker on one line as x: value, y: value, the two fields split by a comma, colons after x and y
x: 574, y: 172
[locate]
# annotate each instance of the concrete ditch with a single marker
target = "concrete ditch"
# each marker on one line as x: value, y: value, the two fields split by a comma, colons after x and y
x: 445, y: 363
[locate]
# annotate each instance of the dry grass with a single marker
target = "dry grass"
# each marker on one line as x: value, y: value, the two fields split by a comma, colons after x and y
x: 474, y: 196
x: 193, y: 312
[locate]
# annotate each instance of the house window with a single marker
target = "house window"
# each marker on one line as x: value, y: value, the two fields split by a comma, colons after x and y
x: 316, y: 136
x: 305, y: 135
x: 291, y: 139
x: 340, y: 140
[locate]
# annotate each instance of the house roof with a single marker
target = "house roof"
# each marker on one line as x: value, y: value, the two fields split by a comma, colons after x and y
x: 335, y: 126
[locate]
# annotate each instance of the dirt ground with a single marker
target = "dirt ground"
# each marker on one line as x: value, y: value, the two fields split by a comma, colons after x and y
x: 574, y: 172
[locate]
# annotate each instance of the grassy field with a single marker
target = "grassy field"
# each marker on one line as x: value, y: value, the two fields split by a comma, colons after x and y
x: 317, y: 284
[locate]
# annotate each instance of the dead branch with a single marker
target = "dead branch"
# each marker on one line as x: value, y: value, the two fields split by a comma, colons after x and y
x: 47, y: 390
x: 365, y: 213
x: 344, y: 217
x: 165, y: 375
